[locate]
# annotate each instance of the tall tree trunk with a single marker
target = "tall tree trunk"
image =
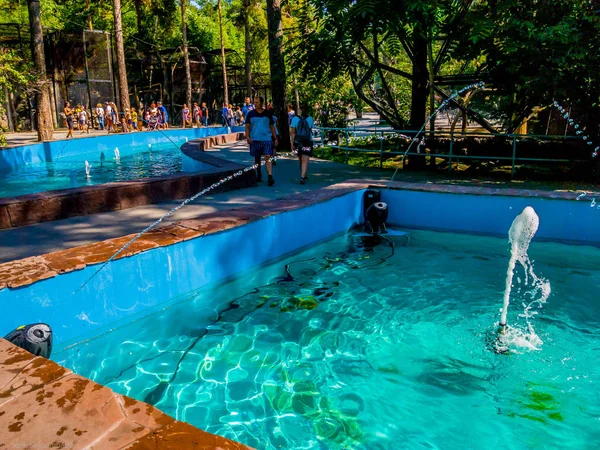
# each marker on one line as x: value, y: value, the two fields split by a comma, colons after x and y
x: 42, y: 94
x: 122, y: 71
x: 419, y: 83
x: 248, y: 48
x: 138, y: 14
x: 9, y: 116
x: 186, y: 57
x: 223, y: 62
x: 278, y: 76
x: 418, y: 106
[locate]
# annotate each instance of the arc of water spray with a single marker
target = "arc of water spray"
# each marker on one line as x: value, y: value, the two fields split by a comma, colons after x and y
x: 445, y: 103
x: 172, y: 211
x: 578, y: 132
x: 163, y: 133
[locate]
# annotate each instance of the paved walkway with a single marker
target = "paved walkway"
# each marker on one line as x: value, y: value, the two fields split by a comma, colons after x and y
x: 46, y: 237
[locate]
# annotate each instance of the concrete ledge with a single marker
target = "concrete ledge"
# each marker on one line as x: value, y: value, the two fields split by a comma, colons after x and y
x: 65, y: 203
x: 19, y: 273
x: 26, y: 271
x: 44, y: 405
x: 212, y: 141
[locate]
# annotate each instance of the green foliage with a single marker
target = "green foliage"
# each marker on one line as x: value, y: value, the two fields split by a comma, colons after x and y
x: 13, y: 70
x: 529, y: 52
x: 534, y: 52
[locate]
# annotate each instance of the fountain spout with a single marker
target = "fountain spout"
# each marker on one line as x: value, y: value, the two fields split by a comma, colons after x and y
x: 88, y: 169
x: 520, y: 235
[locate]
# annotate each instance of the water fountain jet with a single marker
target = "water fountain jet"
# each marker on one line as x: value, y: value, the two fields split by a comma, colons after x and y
x: 520, y: 234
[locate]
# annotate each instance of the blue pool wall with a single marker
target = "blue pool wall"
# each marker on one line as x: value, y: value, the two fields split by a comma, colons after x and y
x: 136, y: 285
x: 13, y: 158
x: 130, y: 286
x: 560, y: 220
x: 193, y: 165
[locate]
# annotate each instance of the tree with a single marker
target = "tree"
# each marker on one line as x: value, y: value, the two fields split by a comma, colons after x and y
x: 248, y: 47
x: 223, y: 60
x: 186, y: 58
x: 139, y: 4
x: 45, y: 128
x: 278, y: 75
x: 13, y: 72
x: 534, y: 52
x: 121, y: 68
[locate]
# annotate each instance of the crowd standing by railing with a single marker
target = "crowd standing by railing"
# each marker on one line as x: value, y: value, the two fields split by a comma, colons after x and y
x: 108, y: 117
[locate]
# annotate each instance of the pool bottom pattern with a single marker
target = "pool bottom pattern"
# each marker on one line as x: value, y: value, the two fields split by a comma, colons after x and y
x: 365, y: 345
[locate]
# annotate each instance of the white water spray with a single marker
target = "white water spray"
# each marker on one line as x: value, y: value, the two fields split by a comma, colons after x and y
x: 117, y: 154
x: 88, y: 169
x: 520, y: 235
x: 149, y: 146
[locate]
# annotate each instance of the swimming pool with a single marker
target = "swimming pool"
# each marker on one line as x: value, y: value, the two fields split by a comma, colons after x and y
x: 70, y: 171
x: 123, y: 157
x: 328, y: 353
x: 357, y: 345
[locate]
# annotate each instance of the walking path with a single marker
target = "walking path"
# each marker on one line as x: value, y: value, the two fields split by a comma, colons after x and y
x: 47, y: 237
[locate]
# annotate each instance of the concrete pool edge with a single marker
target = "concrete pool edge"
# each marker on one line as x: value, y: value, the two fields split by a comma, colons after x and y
x: 61, y: 204
x: 24, y: 272
x: 65, y: 410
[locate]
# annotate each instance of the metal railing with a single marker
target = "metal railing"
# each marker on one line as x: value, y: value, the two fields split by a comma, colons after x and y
x: 364, y: 132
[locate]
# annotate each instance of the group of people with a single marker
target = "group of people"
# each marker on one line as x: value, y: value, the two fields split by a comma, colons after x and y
x: 237, y: 115
x: 198, y: 116
x: 262, y: 134
x: 263, y: 137
x: 109, y: 118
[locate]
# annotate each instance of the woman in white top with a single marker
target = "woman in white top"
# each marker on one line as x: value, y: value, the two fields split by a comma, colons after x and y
x: 100, y: 116
x: 83, y: 120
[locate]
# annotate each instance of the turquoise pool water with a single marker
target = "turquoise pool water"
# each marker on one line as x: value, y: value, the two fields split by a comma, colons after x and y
x: 69, y: 171
x: 362, y: 346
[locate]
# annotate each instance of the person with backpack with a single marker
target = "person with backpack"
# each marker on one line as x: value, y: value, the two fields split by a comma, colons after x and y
x: 301, y: 134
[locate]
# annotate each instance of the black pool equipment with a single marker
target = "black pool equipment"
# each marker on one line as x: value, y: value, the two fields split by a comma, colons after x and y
x: 35, y: 338
x: 375, y: 212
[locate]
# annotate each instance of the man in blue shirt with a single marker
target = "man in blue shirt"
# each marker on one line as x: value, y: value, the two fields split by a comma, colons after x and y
x: 247, y: 108
x: 261, y: 136
x: 164, y: 114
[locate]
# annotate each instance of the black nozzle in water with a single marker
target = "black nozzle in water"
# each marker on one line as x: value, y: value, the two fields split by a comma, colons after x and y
x: 35, y: 338
x: 375, y: 212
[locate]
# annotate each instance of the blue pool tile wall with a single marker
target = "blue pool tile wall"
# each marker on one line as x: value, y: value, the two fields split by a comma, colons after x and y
x: 13, y: 158
x: 135, y: 285
x: 139, y: 284
x: 560, y: 220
